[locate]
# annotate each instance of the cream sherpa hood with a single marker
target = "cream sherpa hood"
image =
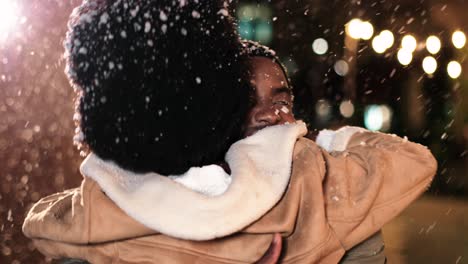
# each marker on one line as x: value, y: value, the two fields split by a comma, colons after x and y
x: 216, y: 203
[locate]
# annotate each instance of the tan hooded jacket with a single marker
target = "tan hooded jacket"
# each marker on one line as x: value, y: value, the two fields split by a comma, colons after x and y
x: 332, y: 199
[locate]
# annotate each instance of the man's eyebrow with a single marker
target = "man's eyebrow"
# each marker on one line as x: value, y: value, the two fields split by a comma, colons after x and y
x: 281, y: 90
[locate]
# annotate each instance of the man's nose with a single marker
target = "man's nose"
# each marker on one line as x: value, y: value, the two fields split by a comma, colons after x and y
x: 268, y: 116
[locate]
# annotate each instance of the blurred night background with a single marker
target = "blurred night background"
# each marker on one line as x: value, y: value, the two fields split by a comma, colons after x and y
x: 390, y: 65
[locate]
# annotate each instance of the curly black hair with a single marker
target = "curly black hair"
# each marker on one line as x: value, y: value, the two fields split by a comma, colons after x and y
x: 162, y: 85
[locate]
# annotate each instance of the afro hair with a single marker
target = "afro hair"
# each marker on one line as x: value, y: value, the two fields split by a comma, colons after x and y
x: 162, y: 85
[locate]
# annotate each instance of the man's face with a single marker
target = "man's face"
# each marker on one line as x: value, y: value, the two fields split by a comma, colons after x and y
x: 273, y: 99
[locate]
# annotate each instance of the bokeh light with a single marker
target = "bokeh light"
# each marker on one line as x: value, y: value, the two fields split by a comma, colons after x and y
x: 246, y: 30
x: 353, y: 28
x: 246, y: 12
x: 409, y: 43
x: 433, y: 44
x: 341, y: 68
x: 264, y: 32
x: 454, y: 69
x: 404, y: 57
x: 323, y: 109
x: 378, y: 118
x: 429, y: 65
x: 347, y: 109
x: 320, y: 46
x: 458, y: 39
x: 367, y: 30
x: 378, y: 44
x: 387, y: 38
x: 9, y: 17
x: 358, y: 29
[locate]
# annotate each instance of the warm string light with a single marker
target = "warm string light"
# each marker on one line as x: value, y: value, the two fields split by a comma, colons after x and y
x: 433, y: 44
x: 429, y: 65
x: 379, y: 117
x: 409, y: 43
x: 358, y: 29
x: 458, y: 39
x: 383, y: 41
x: 454, y: 69
x: 404, y: 57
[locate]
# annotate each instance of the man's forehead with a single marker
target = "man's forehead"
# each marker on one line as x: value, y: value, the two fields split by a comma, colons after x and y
x: 267, y: 69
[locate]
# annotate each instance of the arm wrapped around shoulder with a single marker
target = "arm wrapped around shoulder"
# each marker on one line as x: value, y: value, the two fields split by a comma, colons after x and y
x: 370, y: 178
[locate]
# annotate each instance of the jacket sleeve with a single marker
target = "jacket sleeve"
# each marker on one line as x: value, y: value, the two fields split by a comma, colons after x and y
x: 80, y: 216
x: 369, y: 179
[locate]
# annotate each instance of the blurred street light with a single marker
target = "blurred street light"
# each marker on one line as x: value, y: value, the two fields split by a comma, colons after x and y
x: 383, y: 41
x: 409, y: 43
x: 429, y: 65
x: 320, y: 46
x: 323, y: 109
x: 454, y: 69
x: 387, y: 38
x: 246, y: 13
x: 255, y: 22
x: 378, y: 44
x: 341, y: 68
x: 378, y: 118
x: 264, y: 32
x: 459, y: 39
x: 404, y: 57
x: 353, y: 28
x: 358, y: 29
x: 367, y: 30
x: 347, y: 109
x: 433, y: 44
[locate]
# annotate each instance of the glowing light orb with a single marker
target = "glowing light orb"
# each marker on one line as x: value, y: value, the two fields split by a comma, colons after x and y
x: 378, y: 44
x: 409, y: 43
x: 378, y: 118
x: 429, y: 65
x: 454, y: 69
x: 264, y: 32
x: 353, y: 28
x: 320, y: 46
x: 9, y: 17
x: 358, y: 29
x: 387, y: 38
x: 323, y: 109
x: 341, y: 68
x: 347, y: 109
x: 404, y: 57
x: 367, y: 30
x: 458, y: 39
x: 433, y: 44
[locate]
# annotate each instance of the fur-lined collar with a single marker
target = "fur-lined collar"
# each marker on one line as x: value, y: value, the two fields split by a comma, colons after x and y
x: 260, y: 171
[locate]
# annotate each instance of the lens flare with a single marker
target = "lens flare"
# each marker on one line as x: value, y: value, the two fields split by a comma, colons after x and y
x: 9, y: 17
